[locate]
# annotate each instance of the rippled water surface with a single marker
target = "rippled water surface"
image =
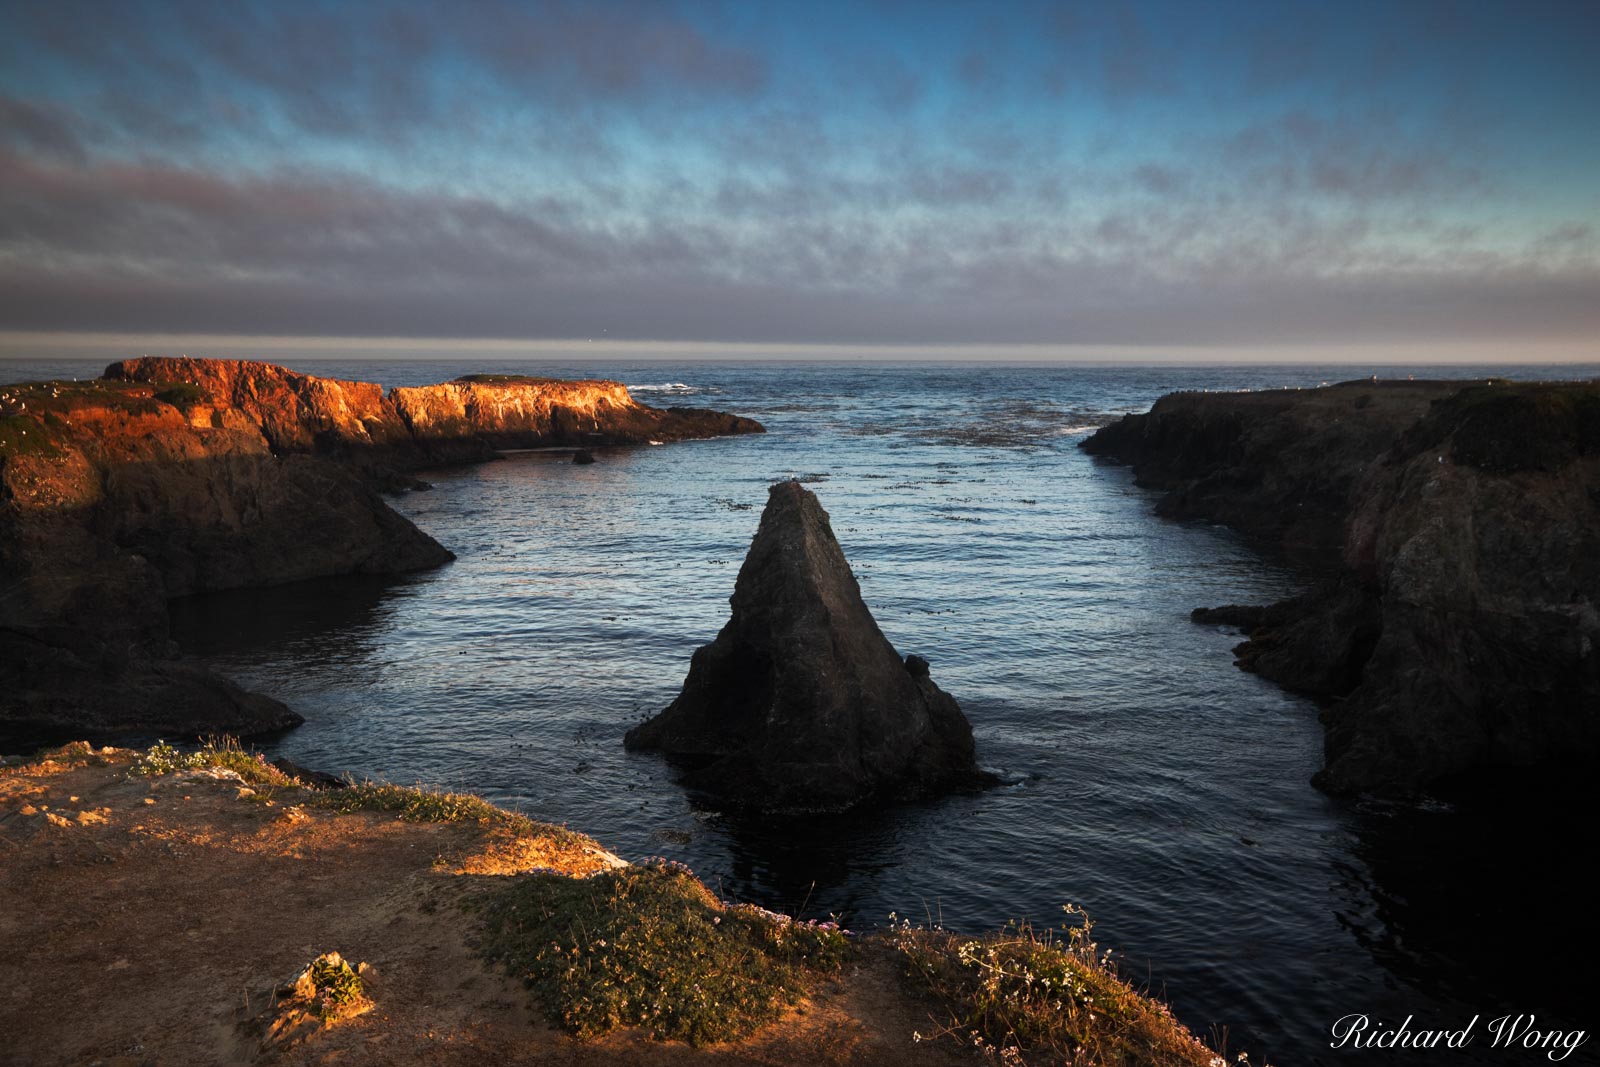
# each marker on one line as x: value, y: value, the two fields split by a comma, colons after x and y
x: 1150, y: 780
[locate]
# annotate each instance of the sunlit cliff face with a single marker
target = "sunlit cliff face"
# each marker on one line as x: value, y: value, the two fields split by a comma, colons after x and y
x: 165, y: 408
x: 293, y: 406
x: 511, y: 404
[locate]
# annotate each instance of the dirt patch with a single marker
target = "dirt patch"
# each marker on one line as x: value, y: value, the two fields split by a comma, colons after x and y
x: 145, y: 919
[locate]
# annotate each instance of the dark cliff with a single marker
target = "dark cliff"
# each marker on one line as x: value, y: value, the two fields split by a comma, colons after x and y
x: 1453, y: 530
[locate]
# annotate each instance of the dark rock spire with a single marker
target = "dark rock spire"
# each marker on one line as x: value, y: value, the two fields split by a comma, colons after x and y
x: 801, y: 703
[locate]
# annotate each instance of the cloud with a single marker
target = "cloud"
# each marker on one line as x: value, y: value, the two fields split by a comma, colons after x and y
x: 1160, y: 180
x: 690, y: 170
x: 169, y: 71
x: 39, y: 128
x: 1369, y: 157
x: 143, y: 248
x: 609, y: 49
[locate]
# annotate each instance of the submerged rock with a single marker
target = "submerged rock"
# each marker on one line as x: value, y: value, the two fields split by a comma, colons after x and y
x: 801, y: 703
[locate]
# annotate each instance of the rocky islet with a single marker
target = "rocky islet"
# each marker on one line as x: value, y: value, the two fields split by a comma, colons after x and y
x: 801, y: 703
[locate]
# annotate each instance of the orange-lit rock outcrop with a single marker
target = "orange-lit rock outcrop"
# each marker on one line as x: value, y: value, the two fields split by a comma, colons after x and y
x: 462, y: 420
x: 175, y: 476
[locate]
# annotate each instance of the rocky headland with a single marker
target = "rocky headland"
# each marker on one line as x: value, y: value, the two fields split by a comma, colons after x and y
x: 469, y: 419
x: 168, y: 477
x: 801, y: 703
x: 1452, y: 534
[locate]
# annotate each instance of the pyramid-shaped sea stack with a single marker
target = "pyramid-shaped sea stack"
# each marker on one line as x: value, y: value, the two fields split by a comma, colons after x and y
x: 801, y: 703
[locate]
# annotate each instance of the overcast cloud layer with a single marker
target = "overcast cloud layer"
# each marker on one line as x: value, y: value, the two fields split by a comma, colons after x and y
x: 1163, y: 174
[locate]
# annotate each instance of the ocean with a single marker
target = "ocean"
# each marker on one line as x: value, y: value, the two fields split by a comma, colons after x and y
x: 1145, y: 777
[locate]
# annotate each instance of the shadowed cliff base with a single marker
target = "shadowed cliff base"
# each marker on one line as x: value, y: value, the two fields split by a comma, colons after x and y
x: 177, y: 476
x: 1454, y: 533
x: 801, y: 703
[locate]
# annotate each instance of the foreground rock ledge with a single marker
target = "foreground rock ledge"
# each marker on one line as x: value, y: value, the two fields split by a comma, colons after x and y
x: 801, y: 703
x: 158, y: 913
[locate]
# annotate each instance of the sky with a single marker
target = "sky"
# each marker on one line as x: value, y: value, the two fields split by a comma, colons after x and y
x: 1183, y: 177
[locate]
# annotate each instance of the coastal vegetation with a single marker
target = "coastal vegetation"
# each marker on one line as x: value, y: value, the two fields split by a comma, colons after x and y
x: 181, y: 395
x: 334, y: 986
x: 651, y: 946
x: 1026, y: 995
x: 217, y: 754
x: 422, y: 804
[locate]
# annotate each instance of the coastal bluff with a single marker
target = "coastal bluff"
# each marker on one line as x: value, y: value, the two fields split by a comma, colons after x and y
x: 1451, y: 530
x: 468, y: 419
x: 168, y: 477
x: 801, y: 703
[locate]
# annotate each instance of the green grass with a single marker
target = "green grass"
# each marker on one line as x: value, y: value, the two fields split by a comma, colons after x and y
x: 182, y: 395
x: 651, y: 946
x: 38, y: 418
x: 219, y: 753
x: 420, y: 804
x: 1027, y: 997
x: 24, y: 436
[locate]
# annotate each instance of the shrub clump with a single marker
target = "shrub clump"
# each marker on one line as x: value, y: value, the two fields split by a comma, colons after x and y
x: 332, y: 986
x: 71, y: 754
x: 420, y: 804
x: 651, y: 946
x: 217, y: 753
x: 182, y: 395
x: 506, y: 379
x: 325, y: 992
x: 1023, y: 995
x: 23, y: 436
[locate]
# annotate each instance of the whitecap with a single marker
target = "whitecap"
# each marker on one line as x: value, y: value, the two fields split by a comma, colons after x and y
x: 672, y: 388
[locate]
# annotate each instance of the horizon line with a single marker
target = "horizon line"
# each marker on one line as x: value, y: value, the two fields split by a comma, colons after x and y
x: 20, y: 344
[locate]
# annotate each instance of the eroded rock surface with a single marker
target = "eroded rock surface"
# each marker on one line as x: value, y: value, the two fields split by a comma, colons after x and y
x: 465, y: 420
x: 801, y: 703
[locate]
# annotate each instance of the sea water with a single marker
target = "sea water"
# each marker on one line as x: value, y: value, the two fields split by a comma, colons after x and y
x: 1145, y: 777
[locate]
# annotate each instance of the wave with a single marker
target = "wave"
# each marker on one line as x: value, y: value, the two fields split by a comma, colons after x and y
x: 669, y: 388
